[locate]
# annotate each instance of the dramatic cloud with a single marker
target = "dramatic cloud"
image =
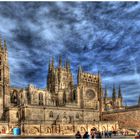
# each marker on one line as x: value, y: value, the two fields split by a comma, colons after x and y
x: 102, y: 36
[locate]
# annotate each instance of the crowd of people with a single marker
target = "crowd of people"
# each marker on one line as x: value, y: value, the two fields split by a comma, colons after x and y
x: 94, y: 134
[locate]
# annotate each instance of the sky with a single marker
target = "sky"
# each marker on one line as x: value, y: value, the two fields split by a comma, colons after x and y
x: 102, y: 36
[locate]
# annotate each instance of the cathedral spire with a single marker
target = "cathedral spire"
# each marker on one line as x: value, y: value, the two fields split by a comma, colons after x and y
x: 114, y: 92
x: 66, y: 64
x: 79, y: 74
x: 105, y: 92
x: 52, y: 64
x: 60, y: 61
x: 139, y: 101
x: 119, y: 92
x: 48, y: 75
x: 79, y: 69
x: 105, y: 98
x: 5, y: 45
x: 99, y: 78
x: 0, y: 43
x: 49, y: 66
x: 114, y: 96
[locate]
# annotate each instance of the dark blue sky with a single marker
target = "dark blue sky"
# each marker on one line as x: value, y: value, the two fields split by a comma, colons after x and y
x: 102, y: 36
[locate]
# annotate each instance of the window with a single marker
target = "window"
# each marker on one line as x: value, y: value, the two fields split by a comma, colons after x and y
x: 17, y: 114
x: 0, y: 60
x: 51, y: 114
x: 77, y: 116
x: 74, y: 95
x: 40, y: 99
x: 0, y: 75
x: 14, y: 97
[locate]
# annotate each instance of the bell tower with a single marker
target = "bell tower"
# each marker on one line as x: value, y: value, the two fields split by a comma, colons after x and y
x: 4, y: 78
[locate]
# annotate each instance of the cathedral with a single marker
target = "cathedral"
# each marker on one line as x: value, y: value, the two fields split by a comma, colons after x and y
x: 62, y: 107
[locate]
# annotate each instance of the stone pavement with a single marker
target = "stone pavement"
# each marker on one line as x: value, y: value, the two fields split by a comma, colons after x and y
x: 120, y: 137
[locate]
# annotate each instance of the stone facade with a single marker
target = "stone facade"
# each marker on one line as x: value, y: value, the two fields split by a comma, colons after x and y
x: 127, y: 118
x: 61, y: 107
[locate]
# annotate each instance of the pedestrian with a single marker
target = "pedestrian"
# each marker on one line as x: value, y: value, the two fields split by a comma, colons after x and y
x: 3, y: 131
x: 106, y: 135
x: 98, y: 136
x: 92, y: 134
x: 102, y: 133
x: 86, y: 135
x: 78, y: 135
x: 110, y: 134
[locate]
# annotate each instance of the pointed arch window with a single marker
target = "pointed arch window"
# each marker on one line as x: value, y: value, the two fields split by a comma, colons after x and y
x: 74, y: 95
x: 77, y: 116
x: 51, y: 114
x: 0, y: 75
x: 40, y: 99
x: 0, y: 60
x: 14, y: 97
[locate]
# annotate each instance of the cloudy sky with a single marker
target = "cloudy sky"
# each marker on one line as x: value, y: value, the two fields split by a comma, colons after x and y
x: 102, y: 36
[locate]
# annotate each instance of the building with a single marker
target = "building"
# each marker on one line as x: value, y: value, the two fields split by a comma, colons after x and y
x: 60, y: 108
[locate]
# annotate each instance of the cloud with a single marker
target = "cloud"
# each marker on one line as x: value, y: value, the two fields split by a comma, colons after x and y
x: 100, y: 36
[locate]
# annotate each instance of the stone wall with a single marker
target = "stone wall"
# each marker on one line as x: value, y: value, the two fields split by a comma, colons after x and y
x: 45, y: 128
x: 66, y: 129
x: 1, y: 107
x: 129, y: 118
x: 66, y: 114
x: 3, y: 126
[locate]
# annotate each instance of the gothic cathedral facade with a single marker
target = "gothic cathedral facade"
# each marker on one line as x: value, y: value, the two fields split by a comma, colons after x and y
x: 60, y: 103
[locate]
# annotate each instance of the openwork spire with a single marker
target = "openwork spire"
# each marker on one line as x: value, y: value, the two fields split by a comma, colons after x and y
x: 105, y: 92
x: 0, y: 42
x: 5, y: 44
x: 79, y: 69
x: 49, y: 66
x: 66, y: 64
x: 119, y: 92
x: 60, y: 61
x: 52, y: 63
x: 139, y: 101
x: 114, y: 92
x: 79, y: 74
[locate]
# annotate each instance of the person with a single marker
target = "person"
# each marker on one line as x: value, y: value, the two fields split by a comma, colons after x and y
x: 98, y: 136
x: 102, y: 133
x: 86, y: 135
x: 92, y: 134
x: 106, y: 134
x: 78, y: 135
x: 110, y: 134
x: 3, y: 131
